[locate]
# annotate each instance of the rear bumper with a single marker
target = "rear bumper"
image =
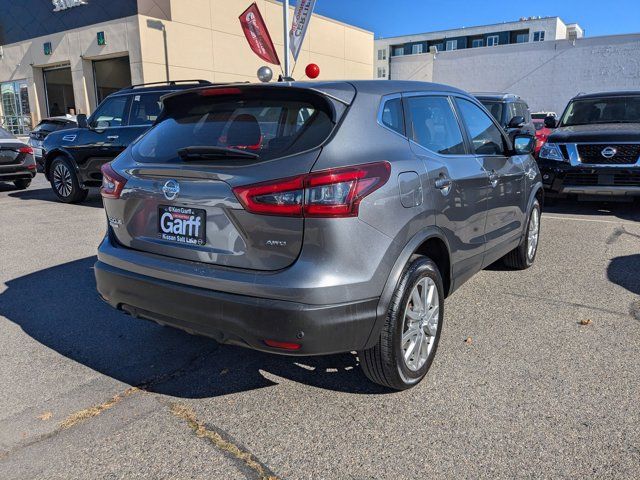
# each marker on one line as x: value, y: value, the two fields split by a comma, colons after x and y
x: 16, y: 172
x: 564, y: 179
x: 239, y: 319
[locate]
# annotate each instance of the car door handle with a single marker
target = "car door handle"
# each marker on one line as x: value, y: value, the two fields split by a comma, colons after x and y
x: 443, y: 183
x: 493, y: 178
x: 113, y: 137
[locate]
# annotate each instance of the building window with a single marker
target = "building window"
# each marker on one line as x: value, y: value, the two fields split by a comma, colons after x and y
x: 493, y: 41
x: 538, y: 36
x: 382, y: 72
x: 416, y: 48
x: 382, y: 54
x: 452, y: 45
x: 522, y: 38
x: 398, y: 51
x: 478, y: 42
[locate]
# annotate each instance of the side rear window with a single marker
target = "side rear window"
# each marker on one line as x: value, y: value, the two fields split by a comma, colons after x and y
x: 393, y: 115
x: 434, y: 125
x: 485, y: 135
x: 270, y: 122
x: 145, y: 108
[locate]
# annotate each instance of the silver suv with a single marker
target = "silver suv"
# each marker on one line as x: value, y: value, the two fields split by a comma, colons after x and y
x: 316, y: 218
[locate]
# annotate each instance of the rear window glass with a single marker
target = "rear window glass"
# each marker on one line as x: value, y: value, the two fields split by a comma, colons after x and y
x: 270, y: 124
x: 48, y: 127
x: 4, y: 135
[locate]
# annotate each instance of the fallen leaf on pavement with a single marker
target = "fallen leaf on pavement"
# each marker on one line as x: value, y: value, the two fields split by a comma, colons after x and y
x: 585, y: 322
x: 45, y: 416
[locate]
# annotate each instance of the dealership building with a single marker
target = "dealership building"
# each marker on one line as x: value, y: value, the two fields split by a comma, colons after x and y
x: 64, y: 56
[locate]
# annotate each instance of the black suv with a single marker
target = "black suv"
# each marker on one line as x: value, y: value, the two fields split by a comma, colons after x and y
x: 71, y: 159
x: 595, y: 149
x: 511, y: 112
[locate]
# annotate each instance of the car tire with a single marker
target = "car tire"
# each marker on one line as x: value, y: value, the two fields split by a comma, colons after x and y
x: 65, y: 183
x: 523, y: 256
x: 22, y: 183
x: 389, y: 363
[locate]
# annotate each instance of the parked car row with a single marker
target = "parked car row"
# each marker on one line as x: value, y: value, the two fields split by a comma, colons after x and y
x: 317, y: 218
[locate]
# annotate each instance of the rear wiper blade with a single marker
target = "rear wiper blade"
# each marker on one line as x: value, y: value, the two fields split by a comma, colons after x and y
x: 214, y: 152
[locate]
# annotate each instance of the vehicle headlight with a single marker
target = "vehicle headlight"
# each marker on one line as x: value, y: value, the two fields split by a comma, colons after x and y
x: 551, y: 151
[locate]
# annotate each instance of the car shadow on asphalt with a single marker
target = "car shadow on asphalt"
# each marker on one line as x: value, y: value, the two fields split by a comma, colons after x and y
x: 622, y: 210
x: 625, y: 272
x: 46, y: 194
x: 60, y: 308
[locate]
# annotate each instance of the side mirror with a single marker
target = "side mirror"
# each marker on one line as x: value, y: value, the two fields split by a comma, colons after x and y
x: 516, y: 122
x: 550, y: 121
x: 81, y: 118
x: 524, y: 144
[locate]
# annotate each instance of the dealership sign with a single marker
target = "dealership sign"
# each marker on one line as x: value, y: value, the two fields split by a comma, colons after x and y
x: 301, y: 19
x: 60, y: 5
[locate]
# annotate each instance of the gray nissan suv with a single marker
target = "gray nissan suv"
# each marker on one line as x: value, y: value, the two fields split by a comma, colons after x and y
x: 316, y: 218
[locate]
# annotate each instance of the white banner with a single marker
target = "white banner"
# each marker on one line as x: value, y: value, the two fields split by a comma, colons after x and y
x: 301, y: 19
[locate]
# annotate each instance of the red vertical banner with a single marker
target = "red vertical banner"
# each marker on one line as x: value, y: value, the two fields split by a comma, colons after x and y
x: 257, y: 34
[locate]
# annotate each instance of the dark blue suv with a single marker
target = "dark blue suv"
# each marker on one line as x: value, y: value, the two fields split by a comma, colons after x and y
x: 72, y: 158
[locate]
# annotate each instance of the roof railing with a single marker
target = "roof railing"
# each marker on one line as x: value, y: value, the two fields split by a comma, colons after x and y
x: 169, y: 83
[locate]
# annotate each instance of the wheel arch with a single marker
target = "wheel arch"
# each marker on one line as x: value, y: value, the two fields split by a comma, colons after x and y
x: 430, y: 242
x: 52, y: 155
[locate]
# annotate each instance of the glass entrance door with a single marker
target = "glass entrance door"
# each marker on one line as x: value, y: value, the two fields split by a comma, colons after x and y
x: 59, y: 87
x: 15, y: 106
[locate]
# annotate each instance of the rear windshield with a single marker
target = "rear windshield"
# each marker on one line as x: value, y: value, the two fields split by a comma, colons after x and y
x: 48, y: 127
x: 271, y: 124
x: 4, y: 135
x: 495, y: 109
x: 602, y: 110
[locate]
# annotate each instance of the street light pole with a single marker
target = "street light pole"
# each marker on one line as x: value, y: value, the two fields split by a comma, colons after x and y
x: 285, y: 6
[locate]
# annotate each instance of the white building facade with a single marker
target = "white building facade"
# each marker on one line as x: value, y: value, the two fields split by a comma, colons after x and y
x: 525, y: 30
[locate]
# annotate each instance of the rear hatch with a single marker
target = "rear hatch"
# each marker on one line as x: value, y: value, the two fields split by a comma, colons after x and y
x: 179, y: 201
x: 10, y: 147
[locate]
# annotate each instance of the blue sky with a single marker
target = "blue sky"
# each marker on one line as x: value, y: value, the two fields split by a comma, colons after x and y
x: 387, y: 18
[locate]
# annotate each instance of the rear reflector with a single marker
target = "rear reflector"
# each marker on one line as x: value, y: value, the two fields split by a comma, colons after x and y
x: 27, y: 150
x: 282, y: 345
x: 328, y: 193
x: 112, y: 182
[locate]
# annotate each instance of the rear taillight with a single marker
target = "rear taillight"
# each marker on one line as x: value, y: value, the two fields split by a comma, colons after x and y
x: 329, y: 193
x: 112, y: 182
x: 26, y: 150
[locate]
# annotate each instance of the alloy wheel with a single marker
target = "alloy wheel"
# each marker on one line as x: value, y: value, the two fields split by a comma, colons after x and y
x: 422, y: 315
x: 534, y: 234
x: 62, y: 180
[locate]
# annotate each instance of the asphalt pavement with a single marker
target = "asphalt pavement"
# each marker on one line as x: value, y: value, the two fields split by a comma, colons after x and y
x: 537, y: 373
